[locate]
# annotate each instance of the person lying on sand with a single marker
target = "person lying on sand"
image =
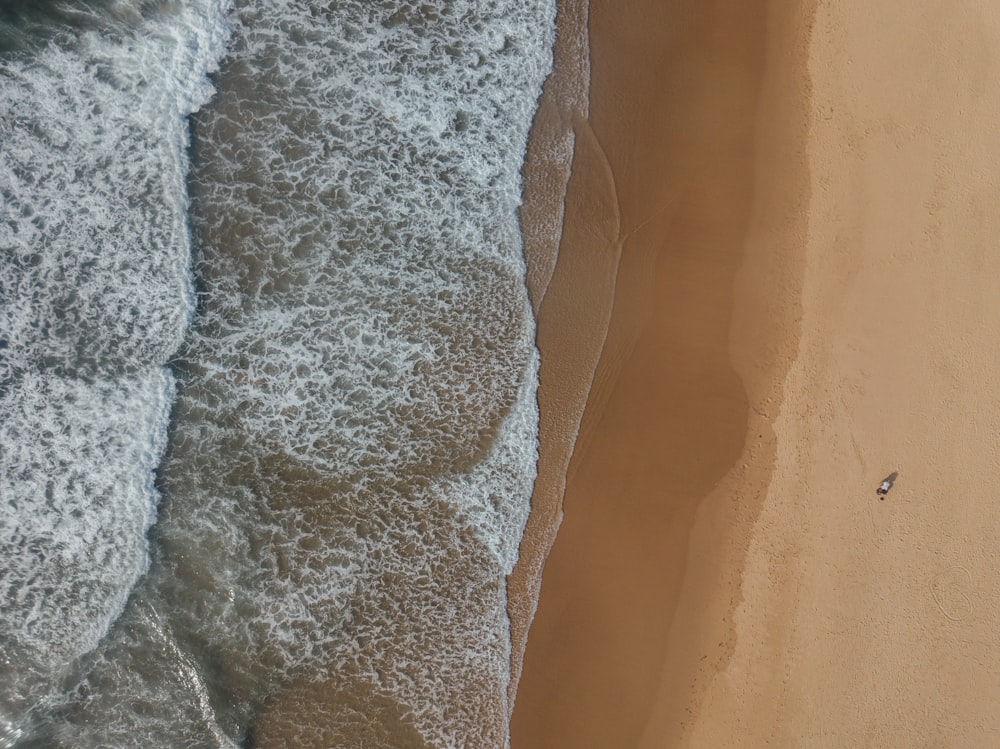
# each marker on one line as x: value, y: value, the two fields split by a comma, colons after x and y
x: 886, y: 485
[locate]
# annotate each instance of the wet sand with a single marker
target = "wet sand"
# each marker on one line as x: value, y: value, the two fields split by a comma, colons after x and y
x: 805, y: 302
x: 703, y: 197
x: 572, y: 299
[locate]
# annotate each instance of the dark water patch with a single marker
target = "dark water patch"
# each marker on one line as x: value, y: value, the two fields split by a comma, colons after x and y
x: 28, y: 25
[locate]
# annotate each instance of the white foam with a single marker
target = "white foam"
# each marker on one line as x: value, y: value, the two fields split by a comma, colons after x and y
x: 366, y: 323
x: 95, y: 296
x: 76, y: 481
x: 92, y: 175
x: 380, y: 185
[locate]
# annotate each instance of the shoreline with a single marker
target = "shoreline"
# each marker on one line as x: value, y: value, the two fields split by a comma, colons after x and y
x: 570, y: 324
x: 671, y: 145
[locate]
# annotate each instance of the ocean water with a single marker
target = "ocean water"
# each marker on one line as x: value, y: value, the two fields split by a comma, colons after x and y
x: 267, y: 374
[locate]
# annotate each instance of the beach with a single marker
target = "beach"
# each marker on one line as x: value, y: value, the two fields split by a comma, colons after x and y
x: 801, y: 306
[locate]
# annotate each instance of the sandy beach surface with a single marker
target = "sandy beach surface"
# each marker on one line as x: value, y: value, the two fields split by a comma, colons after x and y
x: 805, y: 301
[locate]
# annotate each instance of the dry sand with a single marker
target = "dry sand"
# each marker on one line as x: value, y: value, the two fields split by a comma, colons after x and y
x: 868, y: 623
x: 805, y: 301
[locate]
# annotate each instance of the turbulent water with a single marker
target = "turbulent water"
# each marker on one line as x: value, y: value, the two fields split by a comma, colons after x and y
x: 267, y: 374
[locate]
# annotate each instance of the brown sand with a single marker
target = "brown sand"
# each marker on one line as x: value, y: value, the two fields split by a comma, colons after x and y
x: 697, y: 120
x: 806, y: 302
x: 868, y: 623
x: 571, y: 298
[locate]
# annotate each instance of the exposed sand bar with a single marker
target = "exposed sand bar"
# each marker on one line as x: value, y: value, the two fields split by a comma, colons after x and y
x: 696, y: 128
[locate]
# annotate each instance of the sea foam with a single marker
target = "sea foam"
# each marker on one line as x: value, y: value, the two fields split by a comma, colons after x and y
x: 95, y: 296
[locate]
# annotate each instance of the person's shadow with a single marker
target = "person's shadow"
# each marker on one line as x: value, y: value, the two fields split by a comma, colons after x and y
x: 891, y: 478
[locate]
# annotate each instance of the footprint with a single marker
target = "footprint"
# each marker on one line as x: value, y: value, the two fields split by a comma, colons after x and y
x: 950, y: 591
